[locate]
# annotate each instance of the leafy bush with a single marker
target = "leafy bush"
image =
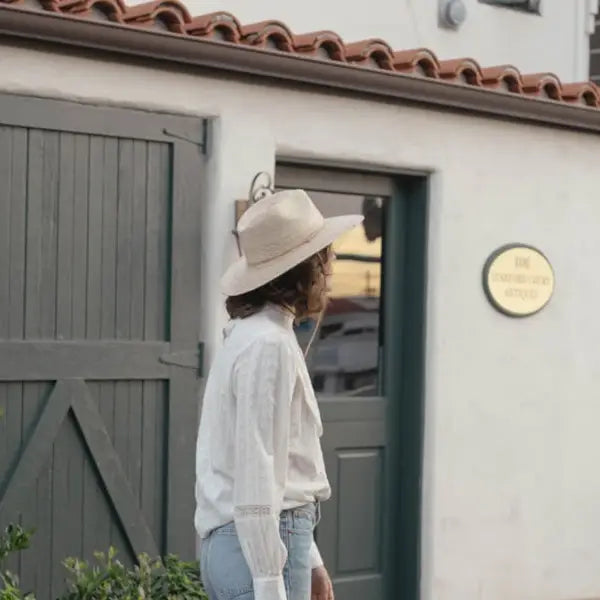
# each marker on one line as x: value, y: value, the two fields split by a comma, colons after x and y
x: 108, y: 578
x: 14, y: 539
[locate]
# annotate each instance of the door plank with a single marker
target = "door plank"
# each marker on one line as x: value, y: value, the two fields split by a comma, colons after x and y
x: 136, y: 307
x: 122, y: 425
x: 185, y: 293
x: 94, y: 240
x: 6, y: 152
x: 109, y: 175
x: 157, y: 256
x: 18, y: 228
x: 138, y: 241
x: 124, y: 239
x: 65, y: 234
x: 35, y: 186
x: 81, y: 235
x: 49, y: 234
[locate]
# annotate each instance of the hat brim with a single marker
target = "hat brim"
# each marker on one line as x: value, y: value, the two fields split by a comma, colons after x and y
x: 241, y: 277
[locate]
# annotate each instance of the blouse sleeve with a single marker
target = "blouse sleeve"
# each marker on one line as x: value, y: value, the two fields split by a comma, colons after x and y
x: 263, y: 387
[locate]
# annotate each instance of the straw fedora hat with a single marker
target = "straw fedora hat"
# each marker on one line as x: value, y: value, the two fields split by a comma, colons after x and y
x: 278, y: 233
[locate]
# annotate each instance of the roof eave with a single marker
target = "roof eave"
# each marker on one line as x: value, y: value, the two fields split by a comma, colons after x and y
x: 222, y: 56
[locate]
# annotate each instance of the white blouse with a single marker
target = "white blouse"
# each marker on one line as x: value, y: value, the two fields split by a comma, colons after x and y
x: 258, y: 449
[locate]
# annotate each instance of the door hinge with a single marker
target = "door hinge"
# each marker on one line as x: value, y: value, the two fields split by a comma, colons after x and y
x: 186, y: 359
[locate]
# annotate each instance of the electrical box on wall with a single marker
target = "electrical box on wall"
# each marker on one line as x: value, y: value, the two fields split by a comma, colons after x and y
x: 532, y: 6
x: 453, y: 13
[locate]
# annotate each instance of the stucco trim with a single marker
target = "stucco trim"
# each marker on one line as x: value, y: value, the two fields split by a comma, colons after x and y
x: 22, y: 23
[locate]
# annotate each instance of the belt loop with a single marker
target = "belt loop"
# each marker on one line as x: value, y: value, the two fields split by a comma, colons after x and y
x: 317, y: 512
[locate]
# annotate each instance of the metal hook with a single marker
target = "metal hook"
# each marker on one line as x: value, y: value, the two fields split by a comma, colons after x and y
x: 258, y: 192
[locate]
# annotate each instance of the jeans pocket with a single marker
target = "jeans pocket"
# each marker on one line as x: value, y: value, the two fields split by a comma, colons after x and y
x: 302, y: 521
x: 227, y: 568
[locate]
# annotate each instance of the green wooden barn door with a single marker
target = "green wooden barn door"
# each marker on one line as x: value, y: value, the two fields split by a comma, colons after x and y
x: 99, y: 308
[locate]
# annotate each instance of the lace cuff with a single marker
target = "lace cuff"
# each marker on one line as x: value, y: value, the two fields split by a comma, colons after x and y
x: 258, y: 531
x: 269, y: 588
x: 254, y: 510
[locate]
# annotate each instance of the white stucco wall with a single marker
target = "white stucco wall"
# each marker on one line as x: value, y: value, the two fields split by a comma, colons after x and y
x: 556, y: 41
x: 512, y: 406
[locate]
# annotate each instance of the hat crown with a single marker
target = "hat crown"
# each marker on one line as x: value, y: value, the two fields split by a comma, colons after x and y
x: 278, y: 224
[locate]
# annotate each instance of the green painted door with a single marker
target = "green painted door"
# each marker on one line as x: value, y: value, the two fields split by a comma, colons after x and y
x: 99, y: 309
x: 370, y: 338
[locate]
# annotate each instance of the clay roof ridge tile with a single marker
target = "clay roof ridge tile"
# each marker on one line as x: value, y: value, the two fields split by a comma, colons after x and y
x: 311, y: 43
x: 369, y: 51
x: 172, y: 13
x: 542, y: 84
x: 409, y: 61
x: 266, y: 33
x: 206, y: 25
x: 497, y: 76
x: 112, y: 9
x: 583, y: 92
x: 459, y: 70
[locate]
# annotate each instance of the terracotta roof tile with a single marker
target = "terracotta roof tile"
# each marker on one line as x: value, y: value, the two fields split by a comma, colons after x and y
x: 273, y: 36
x: 219, y: 25
x: 542, y: 84
x: 269, y: 35
x: 113, y: 10
x: 325, y: 44
x: 461, y: 70
x: 503, y: 77
x: 417, y: 62
x: 585, y: 93
x: 172, y: 14
x: 372, y: 53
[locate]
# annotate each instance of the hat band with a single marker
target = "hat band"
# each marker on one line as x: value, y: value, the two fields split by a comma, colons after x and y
x: 272, y: 257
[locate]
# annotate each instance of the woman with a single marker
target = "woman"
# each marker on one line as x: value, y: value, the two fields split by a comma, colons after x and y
x: 260, y: 469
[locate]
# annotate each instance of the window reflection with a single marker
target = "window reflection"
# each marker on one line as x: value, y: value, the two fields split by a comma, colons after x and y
x: 344, y: 357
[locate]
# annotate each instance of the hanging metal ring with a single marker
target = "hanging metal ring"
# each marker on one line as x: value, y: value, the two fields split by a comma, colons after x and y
x: 259, y: 190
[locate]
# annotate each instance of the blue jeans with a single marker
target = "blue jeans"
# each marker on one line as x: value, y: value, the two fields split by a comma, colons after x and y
x: 225, y: 573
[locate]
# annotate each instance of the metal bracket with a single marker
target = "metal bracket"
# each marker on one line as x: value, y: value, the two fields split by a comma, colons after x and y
x: 202, y: 144
x: 186, y: 359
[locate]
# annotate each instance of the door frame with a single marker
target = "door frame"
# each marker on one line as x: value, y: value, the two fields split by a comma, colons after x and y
x: 404, y: 297
x: 404, y: 377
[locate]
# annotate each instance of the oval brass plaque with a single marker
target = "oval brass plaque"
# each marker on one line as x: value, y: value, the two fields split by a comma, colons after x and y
x: 518, y: 280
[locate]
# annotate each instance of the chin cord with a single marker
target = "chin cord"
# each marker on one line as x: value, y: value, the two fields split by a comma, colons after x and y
x: 314, y: 333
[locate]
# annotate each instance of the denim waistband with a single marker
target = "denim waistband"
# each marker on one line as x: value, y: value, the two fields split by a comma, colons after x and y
x: 313, y: 509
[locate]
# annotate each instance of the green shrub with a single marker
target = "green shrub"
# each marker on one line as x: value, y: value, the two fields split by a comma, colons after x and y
x: 14, y: 539
x: 108, y: 578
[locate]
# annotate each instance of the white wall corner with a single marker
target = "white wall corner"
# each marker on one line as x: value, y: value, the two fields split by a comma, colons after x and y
x: 239, y: 148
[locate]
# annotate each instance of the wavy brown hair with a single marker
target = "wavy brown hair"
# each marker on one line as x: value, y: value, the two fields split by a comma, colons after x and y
x: 301, y: 290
